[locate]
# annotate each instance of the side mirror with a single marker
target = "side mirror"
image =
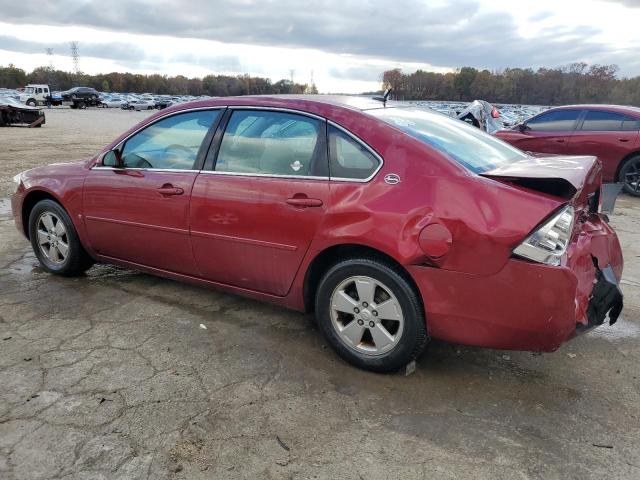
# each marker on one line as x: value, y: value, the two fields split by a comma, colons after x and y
x: 523, y: 126
x: 112, y: 159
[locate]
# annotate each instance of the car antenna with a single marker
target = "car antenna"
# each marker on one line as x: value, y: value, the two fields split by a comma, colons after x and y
x: 384, y: 97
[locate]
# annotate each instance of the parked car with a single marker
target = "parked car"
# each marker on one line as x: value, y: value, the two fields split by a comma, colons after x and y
x: 81, y: 97
x: 162, y: 102
x: 396, y: 224
x: 607, y: 131
x: 113, y: 102
x: 14, y: 112
x: 139, y: 105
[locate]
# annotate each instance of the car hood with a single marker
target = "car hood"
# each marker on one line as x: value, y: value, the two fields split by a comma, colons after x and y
x: 54, y: 169
x: 568, y: 177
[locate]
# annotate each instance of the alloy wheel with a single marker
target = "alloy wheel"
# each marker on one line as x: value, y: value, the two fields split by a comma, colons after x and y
x: 366, y: 315
x: 52, y: 238
x: 632, y: 175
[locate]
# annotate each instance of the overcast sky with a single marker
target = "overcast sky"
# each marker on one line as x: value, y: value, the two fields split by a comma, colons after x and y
x: 346, y: 44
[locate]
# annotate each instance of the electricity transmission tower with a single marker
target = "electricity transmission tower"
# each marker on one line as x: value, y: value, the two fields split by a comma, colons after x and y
x: 76, y: 60
x: 50, y: 56
x: 50, y: 69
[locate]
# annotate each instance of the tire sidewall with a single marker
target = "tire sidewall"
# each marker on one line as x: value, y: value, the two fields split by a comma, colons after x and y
x: 73, y: 241
x: 414, y: 330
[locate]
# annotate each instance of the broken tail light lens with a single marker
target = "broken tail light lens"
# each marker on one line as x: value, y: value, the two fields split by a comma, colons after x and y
x: 549, y: 242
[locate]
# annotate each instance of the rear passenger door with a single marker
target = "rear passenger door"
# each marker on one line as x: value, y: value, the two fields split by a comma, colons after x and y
x: 608, y: 135
x: 548, y: 132
x: 258, y: 205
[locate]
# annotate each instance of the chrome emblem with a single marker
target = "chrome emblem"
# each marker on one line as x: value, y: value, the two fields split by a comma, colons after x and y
x: 296, y: 165
x: 392, y: 178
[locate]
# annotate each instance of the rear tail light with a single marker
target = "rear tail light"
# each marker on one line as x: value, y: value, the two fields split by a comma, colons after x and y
x: 549, y: 242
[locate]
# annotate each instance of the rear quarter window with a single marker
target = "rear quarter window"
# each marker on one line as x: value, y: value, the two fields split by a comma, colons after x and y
x: 348, y: 158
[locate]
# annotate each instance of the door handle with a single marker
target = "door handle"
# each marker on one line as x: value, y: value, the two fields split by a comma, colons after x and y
x: 168, y: 189
x: 304, y: 202
x: 560, y: 140
x: 623, y: 140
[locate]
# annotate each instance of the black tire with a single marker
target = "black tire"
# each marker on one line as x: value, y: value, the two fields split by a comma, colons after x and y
x: 31, y: 102
x: 82, y: 105
x: 630, y: 176
x: 77, y: 260
x: 413, y: 338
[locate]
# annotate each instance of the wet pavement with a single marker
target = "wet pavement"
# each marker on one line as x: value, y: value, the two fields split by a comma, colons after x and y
x: 119, y: 374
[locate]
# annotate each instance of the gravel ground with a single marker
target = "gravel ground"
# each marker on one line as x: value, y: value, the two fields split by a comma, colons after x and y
x: 112, y: 375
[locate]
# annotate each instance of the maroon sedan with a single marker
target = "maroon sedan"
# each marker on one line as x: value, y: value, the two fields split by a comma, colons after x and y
x: 394, y: 224
x: 609, y: 132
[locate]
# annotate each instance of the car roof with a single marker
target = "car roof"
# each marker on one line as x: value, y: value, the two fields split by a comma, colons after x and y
x: 635, y: 111
x: 310, y: 103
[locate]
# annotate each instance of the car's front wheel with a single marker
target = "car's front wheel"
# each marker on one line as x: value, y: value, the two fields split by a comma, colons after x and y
x: 55, y: 240
x: 371, y: 314
x: 630, y: 176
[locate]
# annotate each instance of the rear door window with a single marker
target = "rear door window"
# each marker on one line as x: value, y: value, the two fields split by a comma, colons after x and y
x: 603, y: 121
x: 554, y: 121
x: 272, y: 143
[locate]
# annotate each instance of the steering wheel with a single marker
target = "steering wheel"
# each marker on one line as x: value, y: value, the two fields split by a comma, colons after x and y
x: 178, y: 149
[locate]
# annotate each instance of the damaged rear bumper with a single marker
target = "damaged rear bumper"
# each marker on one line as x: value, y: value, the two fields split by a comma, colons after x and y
x: 526, y: 305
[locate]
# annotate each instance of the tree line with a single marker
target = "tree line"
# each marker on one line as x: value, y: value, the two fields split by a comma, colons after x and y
x: 214, y: 85
x: 574, y: 83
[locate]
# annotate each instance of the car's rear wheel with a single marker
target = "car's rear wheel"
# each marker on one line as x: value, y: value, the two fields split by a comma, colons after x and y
x: 371, y: 315
x: 630, y: 176
x: 55, y: 240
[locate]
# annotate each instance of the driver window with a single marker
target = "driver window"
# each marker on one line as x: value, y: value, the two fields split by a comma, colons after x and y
x: 171, y: 143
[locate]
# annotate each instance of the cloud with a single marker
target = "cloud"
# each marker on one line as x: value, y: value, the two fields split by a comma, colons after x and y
x: 626, y: 3
x: 446, y: 34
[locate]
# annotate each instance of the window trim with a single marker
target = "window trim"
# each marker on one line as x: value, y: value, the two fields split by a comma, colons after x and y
x: 361, y: 143
x: 213, y: 139
x: 212, y: 157
x: 204, y: 146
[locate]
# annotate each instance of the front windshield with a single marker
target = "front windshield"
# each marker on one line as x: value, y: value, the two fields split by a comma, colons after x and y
x: 29, y: 90
x: 476, y: 150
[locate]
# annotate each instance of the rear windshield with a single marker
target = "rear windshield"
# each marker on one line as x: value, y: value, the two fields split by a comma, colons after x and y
x: 467, y: 145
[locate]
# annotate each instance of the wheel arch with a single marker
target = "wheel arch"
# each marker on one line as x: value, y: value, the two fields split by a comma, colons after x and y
x: 328, y: 257
x: 30, y: 201
x: 622, y: 162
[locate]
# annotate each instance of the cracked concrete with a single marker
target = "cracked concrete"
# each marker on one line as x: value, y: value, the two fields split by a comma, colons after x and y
x: 109, y: 376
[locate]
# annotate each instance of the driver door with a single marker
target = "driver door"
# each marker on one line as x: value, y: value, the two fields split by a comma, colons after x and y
x: 139, y: 211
